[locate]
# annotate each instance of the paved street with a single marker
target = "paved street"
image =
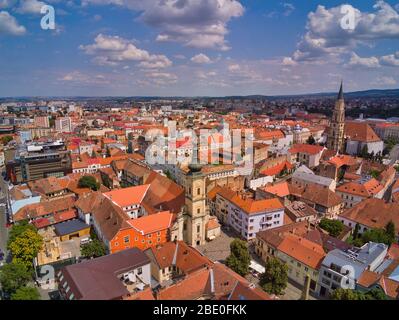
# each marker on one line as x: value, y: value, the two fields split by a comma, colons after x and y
x: 3, y: 216
x: 218, y: 249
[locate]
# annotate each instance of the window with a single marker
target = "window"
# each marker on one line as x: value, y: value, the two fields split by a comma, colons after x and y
x: 149, y: 236
x: 158, y: 233
x: 198, y: 228
x: 198, y: 211
x: 199, y: 191
x: 126, y: 239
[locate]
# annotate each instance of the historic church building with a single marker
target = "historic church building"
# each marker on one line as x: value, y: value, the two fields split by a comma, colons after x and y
x: 336, y: 132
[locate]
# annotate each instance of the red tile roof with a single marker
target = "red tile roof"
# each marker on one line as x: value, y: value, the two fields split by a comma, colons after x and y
x: 128, y: 196
x: 306, y: 148
x: 152, y: 223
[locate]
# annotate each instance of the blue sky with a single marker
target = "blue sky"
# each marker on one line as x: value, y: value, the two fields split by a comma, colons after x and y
x: 196, y: 47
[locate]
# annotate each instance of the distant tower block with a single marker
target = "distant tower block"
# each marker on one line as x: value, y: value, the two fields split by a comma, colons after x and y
x: 335, y: 139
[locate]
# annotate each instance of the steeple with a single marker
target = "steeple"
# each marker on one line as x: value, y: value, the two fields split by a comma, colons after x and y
x: 341, y: 92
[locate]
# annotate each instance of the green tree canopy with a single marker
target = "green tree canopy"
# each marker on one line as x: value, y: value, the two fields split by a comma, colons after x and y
x: 390, y: 232
x: 89, y: 182
x: 275, y: 278
x: 26, y: 293
x: 18, y: 229
x: 93, y: 249
x: 387, y: 236
x: 348, y: 294
x: 333, y: 227
x: 6, y: 139
x: 14, y: 276
x: 239, y: 259
x: 26, y: 247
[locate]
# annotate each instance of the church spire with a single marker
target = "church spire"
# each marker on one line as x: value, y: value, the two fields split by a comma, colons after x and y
x: 341, y: 92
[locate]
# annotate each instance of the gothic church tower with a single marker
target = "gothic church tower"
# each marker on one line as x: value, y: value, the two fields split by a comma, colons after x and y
x: 335, y: 138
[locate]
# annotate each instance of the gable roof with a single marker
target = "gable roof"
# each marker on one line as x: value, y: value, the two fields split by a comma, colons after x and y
x: 179, y: 254
x: 374, y: 213
x: 360, y: 131
x: 306, y: 148
x: 97, y: 279
x: 152, y: 223
x: 303, y: 250
x: 163, y: 193
x: 128, y: 196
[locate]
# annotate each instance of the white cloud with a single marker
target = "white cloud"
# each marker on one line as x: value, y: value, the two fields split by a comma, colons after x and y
x: 6, y: 3
x: 390, y: 60
x: 201, y: 59
x: 112, y: 50
x: 234, y: 68
x: 288, y: 9
x: 356, y: 61
x: 288, y: 61
x: 161, y: 78
x: 200, y: 24
x: 30, y: 6
x: 9, y: 25
x: 326, y: 37
x: 385, y: 81
x: 78, y: 77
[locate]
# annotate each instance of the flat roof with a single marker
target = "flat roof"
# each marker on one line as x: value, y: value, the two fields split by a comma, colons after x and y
x: 71, y: 226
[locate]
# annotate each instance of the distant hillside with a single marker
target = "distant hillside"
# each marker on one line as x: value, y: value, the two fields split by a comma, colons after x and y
x: 373, y: 93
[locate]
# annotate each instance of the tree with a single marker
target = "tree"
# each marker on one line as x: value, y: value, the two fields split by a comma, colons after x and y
x: 333, y: 227
x: 6, y: 139
x: 275, y: 278
x: 89, y: 182
x: 18, y: 229
x: 26, y: 247
x: 348, y: 294
x: 377, y: 235
x: 26, y: 293
x: 344, y: 294
x: 390, y: 232
x: 239, y: 259
x: 376, y: 294
x: 94, y: 249
x: 374, y: 173
x: 311, y: 140
x: 13, y: 276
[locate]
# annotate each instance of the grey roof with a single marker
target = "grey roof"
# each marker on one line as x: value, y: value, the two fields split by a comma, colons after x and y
x: 97, y: 279
x: 68, y: 227
x: 311, y: 177
x: 359, y: 259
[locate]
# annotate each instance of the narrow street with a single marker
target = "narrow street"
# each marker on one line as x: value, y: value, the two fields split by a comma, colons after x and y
x: 3, y: 216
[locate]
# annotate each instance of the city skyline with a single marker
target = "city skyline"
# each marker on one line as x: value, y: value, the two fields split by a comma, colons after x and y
x: 190, y: 48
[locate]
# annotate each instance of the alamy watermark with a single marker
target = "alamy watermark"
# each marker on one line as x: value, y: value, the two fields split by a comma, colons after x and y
x: 348, y: 21
x: 48, y: 20
x: 208, y: 147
